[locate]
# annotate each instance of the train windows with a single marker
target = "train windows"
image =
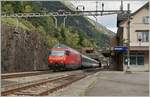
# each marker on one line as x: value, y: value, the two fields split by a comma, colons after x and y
x: 57, y: 53
x: 49, y: 52
x: 67, y: 52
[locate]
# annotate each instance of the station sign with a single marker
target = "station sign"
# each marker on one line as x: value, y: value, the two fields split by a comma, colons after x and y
x: 121, y: 48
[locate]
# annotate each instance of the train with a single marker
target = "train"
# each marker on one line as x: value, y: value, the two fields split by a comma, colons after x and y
x: 62, y: 58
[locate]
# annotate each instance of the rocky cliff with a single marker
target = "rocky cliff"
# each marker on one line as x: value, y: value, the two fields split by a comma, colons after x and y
x: 22, y: 50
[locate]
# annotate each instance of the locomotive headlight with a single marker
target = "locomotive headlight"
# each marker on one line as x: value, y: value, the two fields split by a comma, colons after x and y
x: 51, y: 61
x: 63, y: 58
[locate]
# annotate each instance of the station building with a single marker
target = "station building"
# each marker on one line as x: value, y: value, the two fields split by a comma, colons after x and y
x: 139, y: 40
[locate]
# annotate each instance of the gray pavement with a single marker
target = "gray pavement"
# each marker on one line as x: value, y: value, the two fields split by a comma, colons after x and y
x: 111, y: 83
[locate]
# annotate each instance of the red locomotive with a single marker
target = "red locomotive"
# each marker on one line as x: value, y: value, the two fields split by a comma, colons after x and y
x: 61, y: 58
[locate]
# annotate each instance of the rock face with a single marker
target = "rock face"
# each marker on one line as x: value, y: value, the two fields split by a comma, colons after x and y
x: 22, y: 50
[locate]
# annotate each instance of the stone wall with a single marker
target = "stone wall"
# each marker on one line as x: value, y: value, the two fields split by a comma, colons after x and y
x: 22, y: 50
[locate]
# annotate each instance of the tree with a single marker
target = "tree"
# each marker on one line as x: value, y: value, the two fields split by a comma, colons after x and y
x: 72, y: 39
x: 86, y: 43
x: 7, y: 8
x: 28, y: 8
x: 51, y: 41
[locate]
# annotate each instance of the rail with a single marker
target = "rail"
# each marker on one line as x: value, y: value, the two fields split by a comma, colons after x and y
x: 23, y: 74
x: 43, y: 87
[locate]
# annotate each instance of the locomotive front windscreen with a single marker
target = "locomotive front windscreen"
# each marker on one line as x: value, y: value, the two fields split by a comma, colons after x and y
x: 57, y: 53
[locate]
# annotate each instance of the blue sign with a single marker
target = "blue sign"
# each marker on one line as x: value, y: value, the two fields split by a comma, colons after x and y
x: 120, y: 48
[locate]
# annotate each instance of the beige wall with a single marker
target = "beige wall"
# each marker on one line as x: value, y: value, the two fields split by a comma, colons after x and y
x: 136, y: 24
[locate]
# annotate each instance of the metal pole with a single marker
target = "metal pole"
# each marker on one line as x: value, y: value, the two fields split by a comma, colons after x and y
x: 128, y: 53
x: 55, y: 22
x: 16, y: 28
x: 102, y: 9
x: 65, y: 20
x: 96, y: 7
x: 96, y: 21
x: 121, y: 7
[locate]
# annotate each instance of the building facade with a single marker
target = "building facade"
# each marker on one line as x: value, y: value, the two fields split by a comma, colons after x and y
x: 139, y: 39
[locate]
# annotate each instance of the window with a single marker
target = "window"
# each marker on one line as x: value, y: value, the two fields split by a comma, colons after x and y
x: 135, y: 59
x: 140, y: 58
x: 132, y: 60
x: 143, y: 36
x: 57, y: 53
x: 146, y: 19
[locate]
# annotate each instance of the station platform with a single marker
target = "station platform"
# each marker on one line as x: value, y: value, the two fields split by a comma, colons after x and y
x: 109, y: 83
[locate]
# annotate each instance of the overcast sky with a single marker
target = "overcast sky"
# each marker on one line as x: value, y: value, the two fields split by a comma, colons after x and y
x: 109, y: 21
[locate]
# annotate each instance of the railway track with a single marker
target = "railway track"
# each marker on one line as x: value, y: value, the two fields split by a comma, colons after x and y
x: 23, y: 74
x: 44, y: 86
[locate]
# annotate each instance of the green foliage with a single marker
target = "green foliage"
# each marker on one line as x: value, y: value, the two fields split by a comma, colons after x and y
x: 27, y: 24
x: 51, y: 41
x: 13, y: 21
x: 7, y: 8
x: 28, y: 8
x: 86, y: 43
x: 79, y: 32
x: 72, y: 39
x: 41, y: 30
